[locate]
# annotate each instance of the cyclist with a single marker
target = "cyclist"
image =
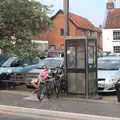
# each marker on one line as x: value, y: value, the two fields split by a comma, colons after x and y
x: 42, y: 77
x: 44, y: 74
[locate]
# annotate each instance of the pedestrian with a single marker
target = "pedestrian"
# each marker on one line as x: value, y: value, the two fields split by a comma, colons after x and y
x: 117, y: 86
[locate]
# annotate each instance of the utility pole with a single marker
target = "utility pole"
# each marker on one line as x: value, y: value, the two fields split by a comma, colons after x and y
x: 66, y: 14
x: 66, y: 33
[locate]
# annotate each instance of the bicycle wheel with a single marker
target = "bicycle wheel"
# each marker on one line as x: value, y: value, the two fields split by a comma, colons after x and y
x: 49, y: 89
x: 40, y: 93
x: 57, y: 87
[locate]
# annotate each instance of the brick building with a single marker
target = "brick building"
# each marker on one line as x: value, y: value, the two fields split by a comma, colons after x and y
x: 78, y: 26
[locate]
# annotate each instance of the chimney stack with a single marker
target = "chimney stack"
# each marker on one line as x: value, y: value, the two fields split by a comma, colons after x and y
x: 110, y: 4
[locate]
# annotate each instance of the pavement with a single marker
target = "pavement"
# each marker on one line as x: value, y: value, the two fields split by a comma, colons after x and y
x: 106, y: 108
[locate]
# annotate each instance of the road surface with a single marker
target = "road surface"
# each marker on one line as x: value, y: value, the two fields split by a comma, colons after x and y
x: 74, y: 105
x: 21, y: 113
x: 17, y: 117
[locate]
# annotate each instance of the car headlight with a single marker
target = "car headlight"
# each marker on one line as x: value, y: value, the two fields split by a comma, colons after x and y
x: 113, y: 80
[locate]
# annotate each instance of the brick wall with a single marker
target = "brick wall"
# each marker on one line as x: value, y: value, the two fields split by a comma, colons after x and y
x: 53, y: 35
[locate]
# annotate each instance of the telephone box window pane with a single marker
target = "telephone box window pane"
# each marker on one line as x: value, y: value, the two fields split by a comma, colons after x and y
x: 80, y: 56
x: 71, y: 57
x: 90, y: 55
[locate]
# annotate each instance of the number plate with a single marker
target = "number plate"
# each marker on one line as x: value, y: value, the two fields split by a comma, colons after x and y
x: 101, y: 85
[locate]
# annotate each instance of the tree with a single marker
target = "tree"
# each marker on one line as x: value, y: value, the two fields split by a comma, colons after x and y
x: 19, y: 20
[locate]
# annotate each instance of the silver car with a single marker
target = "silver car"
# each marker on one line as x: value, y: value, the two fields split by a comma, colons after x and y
x: 51, y: 63
x: 108, y: 73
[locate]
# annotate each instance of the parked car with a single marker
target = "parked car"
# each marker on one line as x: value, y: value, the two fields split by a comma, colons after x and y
x: 13, y: 65
x: 3, y: 58
x: 51, y: 63
x: 108, y: 73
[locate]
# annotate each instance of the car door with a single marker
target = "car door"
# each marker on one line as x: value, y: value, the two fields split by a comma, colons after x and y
x: 17, y: 66
x: 30, y: 64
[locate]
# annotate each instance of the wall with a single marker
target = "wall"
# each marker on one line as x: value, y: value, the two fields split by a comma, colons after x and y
x: 108, y: 42
x: 99, y: 40
x: 53, y: 35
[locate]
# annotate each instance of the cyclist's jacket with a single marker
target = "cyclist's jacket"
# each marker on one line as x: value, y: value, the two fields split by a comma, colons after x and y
x: 44, y: 74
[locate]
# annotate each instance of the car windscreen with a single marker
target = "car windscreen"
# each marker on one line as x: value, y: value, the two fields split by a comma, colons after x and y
x: 15, y: 62
x: 51, y: 63
x: 109, y: 64
x: 8, y: 62
x: 3, y: 58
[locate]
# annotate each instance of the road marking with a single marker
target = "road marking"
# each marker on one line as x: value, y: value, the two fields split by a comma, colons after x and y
x: 54, y: 115
x: 34, y: 116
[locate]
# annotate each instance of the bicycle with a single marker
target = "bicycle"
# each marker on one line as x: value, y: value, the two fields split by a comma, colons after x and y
x: 52, y: 84
x: 59, y: 82
x: 45, y: 89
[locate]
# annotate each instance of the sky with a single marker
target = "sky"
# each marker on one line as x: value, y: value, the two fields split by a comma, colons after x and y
x: 93, y: 10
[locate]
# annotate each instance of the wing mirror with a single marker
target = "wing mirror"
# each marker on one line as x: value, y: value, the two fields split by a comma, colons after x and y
x: 25, y: 65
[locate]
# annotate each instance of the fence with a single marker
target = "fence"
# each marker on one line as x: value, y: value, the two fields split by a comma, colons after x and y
x: 17, y: 79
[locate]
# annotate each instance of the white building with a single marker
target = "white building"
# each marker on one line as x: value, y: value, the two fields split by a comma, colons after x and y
x: 111, y: 28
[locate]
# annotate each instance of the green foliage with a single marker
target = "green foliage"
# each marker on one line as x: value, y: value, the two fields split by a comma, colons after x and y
x: 19, y: 20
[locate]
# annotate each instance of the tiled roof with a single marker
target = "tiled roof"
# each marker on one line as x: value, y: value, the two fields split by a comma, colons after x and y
x: 81, y: 22
x: 113, y: 19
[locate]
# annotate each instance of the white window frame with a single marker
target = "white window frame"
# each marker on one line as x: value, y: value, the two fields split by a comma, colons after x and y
x: 116, y: 35
x: 116, y: 49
